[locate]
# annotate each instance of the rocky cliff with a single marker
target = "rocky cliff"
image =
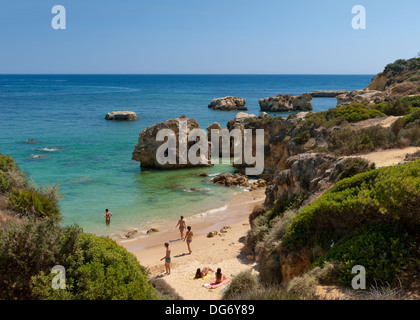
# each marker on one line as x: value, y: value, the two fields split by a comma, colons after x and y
x: 282, y: 103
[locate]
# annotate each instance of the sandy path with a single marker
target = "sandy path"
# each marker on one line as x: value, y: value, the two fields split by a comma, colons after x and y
x: 222, y: 251
x: 385, y: 158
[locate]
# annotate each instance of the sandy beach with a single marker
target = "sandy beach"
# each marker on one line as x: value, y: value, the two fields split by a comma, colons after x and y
x: 221, y: 251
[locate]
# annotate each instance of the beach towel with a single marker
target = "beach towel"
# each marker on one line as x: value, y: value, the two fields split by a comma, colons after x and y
x: 175, y: 240
x: 214, y: 285
x: 193, y: 278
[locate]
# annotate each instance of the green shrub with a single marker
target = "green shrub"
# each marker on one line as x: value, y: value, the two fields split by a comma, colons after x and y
x: 303, y: 137
x: 355, y: 166
x: 99, y: 270
x: 303, y: 286
x: 31, y: 202
x: 390, y: 194
x: 383, y: 250
x: 241, y: 283
x: 349, y: 142
x: 5, y: 183
x: 6, y: 163
x: 29, y: 248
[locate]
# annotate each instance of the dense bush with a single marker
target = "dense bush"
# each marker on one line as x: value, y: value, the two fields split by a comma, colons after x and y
x: 387, y: 195
x: 29, y: 248
x: 384, y: 251
x: 32, y: 202
x: 241, y: 283
x: 355, y: 166
x: 348, y: 142
x: 99, y: 270
x: 96, y: 267
x: 347, y: 114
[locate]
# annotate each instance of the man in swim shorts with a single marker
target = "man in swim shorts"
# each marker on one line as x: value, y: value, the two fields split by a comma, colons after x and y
x: 107, y: 216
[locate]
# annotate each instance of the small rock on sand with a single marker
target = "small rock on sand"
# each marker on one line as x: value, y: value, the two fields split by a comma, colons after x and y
x: 151, y: 230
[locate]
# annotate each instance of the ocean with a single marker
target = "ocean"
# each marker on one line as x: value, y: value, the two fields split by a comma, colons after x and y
x: 90, y: 157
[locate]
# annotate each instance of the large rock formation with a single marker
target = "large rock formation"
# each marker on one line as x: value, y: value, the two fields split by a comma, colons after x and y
x: 228, y: 103
x: 146, y: 149
x: 122, y: 115
x: 287, y: 102
x: 307, y: 173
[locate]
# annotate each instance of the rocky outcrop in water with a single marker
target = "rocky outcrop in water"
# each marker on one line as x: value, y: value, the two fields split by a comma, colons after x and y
x: 285, y: 103
x: 237, y: 179
x: 228, y: 104
x: 122, y: 116
x: 146, y: 149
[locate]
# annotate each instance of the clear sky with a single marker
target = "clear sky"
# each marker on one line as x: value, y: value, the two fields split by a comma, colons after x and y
x: 206, y: 36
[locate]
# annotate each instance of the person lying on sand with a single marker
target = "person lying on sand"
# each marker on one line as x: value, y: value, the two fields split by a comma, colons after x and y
x: 167, y: 258
x: 182, y: 225
x: 188, y: 237
x: 219, y: 276
x: 200, y: 274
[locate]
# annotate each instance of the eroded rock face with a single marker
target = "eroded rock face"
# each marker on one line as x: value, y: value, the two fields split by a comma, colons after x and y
x: 307, y: 173
x: 361, y: 96
x: 244, y: 117
x: 121, y: 116
x: 286, y: 103
x: 146, y: 149
x: 228, y: 103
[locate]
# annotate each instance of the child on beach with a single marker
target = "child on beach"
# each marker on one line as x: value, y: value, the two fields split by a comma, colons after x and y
x: 167, y: 258
x: 182, y: 225
x: 219, y: 276
x: 201, y: 274
x: 188, y: 237
x: 107, y: 216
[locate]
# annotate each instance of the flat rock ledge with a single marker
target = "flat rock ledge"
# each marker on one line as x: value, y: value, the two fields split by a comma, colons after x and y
x: 228, y: 103
x: 121, y: 116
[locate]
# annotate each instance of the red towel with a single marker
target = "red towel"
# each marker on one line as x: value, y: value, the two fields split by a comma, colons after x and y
x: 214, y: 285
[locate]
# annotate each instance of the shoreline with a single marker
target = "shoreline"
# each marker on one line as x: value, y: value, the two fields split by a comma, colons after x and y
x: 221, y: 251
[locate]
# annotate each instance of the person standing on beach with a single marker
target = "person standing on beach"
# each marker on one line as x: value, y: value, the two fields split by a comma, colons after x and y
x: 167, y: 258
x: 188, y: 237
x: 182, y: 225
x: 107, y: 216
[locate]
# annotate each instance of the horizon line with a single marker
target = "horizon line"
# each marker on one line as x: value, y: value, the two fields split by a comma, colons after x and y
x: 186, y: 74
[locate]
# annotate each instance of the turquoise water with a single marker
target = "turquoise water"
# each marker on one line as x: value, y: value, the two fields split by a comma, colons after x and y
x: 90, y: 158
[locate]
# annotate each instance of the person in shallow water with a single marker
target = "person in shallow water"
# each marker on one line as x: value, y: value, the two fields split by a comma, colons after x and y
x: 167, y: 258
x: 182, y: 225
x: 107, y: 216
x: 188, y: 237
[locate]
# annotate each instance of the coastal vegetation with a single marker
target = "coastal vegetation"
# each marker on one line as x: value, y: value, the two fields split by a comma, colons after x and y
x: 97, y: 268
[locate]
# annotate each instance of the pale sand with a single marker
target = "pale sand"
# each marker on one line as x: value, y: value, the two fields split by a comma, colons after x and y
x: 389, y: 157
x: 222, y: 251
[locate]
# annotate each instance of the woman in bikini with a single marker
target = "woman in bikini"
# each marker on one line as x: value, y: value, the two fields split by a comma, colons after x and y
x: 200, y: 274
x: 167, y: 258
x: 181, y: 224
x: 188, y: 237
x: 219, y: 276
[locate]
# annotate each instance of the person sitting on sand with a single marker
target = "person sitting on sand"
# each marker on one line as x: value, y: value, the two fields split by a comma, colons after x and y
x: 188, y: 237
x: 107, y: 216
x: 167, y: 258
x: 200, y: 274
x: 219, y: 276
x: 182, y: 225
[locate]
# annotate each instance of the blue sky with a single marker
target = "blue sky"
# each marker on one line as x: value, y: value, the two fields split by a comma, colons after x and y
x: 206, y: 36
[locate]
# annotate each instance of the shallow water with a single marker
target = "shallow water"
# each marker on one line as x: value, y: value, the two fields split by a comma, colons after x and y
x: 90, y: 158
